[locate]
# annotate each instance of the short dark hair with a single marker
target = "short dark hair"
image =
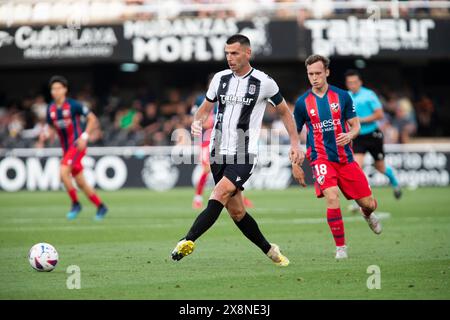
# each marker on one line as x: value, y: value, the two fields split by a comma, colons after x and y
x: 243, y: 40
x: 351, y: 73
x: 59, y: 79
x: 316, y: 58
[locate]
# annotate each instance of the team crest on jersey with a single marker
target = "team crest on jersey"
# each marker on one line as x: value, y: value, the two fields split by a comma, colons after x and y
x: 321, y: 179
x: 252, y: 89
x: 335, y: 107
x: 313, y: 112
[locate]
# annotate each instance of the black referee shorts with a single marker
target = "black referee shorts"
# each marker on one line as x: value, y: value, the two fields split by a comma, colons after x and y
x: 372, y: 143
x: 237, y: 169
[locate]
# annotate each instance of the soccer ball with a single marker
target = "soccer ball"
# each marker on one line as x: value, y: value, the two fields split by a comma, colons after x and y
x: 43, y: 257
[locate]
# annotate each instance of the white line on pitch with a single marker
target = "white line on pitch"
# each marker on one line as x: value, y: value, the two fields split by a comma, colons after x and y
x: 381, y: 215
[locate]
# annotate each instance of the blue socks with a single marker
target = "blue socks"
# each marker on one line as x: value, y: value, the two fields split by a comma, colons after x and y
x: 390, y: 174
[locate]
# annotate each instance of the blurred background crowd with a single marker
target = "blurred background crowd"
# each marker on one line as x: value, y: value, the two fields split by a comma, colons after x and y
x: 145, y: 108
x: 149, y: 119
x: 19, y: 12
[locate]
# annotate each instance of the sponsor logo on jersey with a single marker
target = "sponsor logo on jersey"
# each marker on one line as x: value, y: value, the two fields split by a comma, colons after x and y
x: 63, y: 124
x: 235, y: 99
x: 326, y: 125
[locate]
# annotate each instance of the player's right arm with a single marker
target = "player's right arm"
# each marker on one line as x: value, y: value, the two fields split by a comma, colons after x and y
x: 201, y: 116
x: 47, y: 131
x: 300, y: 118
x: 345, y: 138
x: 205, y: 109
x: 298, y: 174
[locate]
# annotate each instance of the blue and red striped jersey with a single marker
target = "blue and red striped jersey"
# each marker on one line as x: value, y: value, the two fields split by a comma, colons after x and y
x: 69, y: 120
x: 325, y: 118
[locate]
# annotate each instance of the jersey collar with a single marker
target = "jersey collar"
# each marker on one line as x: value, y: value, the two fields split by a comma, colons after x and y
x: 245, y: 75
x: 325, y: 94
x: 59, y: 107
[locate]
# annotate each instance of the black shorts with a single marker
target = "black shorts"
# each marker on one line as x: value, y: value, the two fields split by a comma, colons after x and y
x: 372, y: 143
x: 238, y: 172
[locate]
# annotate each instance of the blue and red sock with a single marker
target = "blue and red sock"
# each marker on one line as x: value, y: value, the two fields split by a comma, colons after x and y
x: 95, y: 200
x: 73, y: 195
x: 334, y: 218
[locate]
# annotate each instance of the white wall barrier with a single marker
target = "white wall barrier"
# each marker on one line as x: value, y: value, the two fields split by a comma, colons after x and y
x: 163, y: 168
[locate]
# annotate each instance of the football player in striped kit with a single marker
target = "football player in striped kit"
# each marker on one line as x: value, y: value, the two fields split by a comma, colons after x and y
x: 331, y: 122
x: 73, y: 123
x: 242, y: 94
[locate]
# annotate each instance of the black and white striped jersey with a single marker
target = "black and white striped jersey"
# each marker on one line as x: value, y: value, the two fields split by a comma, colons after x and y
x: 241, y: 105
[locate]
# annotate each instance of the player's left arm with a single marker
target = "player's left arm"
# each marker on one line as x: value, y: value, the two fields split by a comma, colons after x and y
x: 274, y: 97
x: 350, y: 117
x: 347, y: 137
x: 48, y: 130
x: 47, y: 133
x: 295, y: 155
x: 91, y: 124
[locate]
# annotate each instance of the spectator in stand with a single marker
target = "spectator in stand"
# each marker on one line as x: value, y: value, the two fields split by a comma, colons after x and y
x: 390, y: 133
x: 390, y: 106
x: 39, y: 107
x: 150, y: 123
x: 425, y: 116
x: 173, y: 105
x: 16, y: 124
x: 129, y: 117
x: 404, y: 120
x: 127, y: 125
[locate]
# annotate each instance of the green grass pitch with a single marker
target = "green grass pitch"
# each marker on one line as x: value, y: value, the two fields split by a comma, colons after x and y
x: 126, y: 256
